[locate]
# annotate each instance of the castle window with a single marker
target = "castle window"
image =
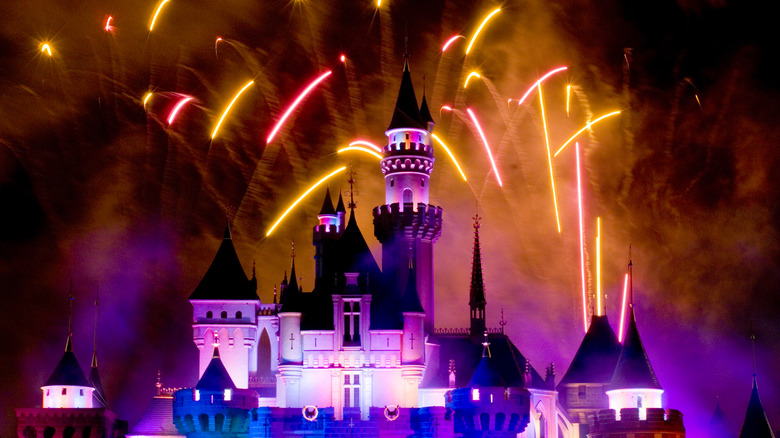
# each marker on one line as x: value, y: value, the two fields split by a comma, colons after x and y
x: 406, y: 145
x: 392, y: 182
x: 81, y: 392
x: 408, y: 197
x: 407, y: 136
x: 500, y: 420
x: 352, y: 323
x: 48, y: 432
x: 219, y: 422
x: 64, y: 391
x: 86, y: 432
x: 209, y: 314
x: 47, y: 392
x: 29, y: 432
x: 639, y: 401
x: 238, y: 315
x: 224, y: 314
x: 68, y: 432
x: 351, y: 390
x: 484, y: 420
x: 422, y: 182
x: 475, y: 394
x: 228, y: 394
x: 203, y: 419
x: 581, y: 392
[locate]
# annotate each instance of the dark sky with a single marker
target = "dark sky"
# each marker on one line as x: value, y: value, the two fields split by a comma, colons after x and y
x: 99, y: 192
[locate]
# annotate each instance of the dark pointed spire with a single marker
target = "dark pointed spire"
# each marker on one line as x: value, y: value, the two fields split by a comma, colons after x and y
x: 410, y: 303
x: 340, y: 207
x: 216, y: 376
x: 69, y: 342
x: 633, y: 368
x: 487, y: 374
x: 94, y: 375
x: 718, y: 428
x: 406, y: 113
x: 425, y: 114
x: 225, y: 278
x: 477, y: 300
x: 756, y: 424
x: 597, y: 356
x: 291, y: 295
x: 327, y: 204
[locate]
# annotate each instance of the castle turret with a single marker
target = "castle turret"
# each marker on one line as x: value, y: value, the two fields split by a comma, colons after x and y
x: 407, y: 218
x: 224, y: 307
x: 477, y: 300
x: 290, y: 346
x: 327, y: 231
x: 756, y: 424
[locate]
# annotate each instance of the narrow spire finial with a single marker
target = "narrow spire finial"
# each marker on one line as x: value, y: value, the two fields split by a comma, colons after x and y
x: 274, y: 294
x: 352, y: 191
x: 94, y: 336
x: 68, y: 345
x: 158, y: 385
x: 292, y: 253
x: 502, y: 322
x: 753, y: 342
x: 486, y: 345
x: 630, y: 279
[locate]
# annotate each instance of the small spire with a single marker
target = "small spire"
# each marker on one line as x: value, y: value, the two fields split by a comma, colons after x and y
x: 69, y: 343
x: 352, y: 191
x: 94, y: 337
x: 753, y: 343
x: 275, y: 293
x: 630, y: 279
x: 486, y: 345
x: 158, y: 385
x: 502, y: 322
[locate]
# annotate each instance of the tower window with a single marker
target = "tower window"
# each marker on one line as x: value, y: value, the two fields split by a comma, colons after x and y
x: 392, y: 182
x: 351, y: 390
x: 422, y: 182
x: 407, y: 136
x: 81, y: 392
x: 209, y: 314
x: 238, y: 315
x: 408, y: 197
x: 64, y: 391
x: 224, y: 314
x: 581, y: 392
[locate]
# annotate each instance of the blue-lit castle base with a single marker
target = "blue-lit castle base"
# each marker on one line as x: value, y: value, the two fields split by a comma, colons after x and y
x: 381, y: 423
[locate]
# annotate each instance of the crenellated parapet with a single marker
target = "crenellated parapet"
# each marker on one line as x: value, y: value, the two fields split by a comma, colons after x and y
x: 606, y: 423
x: 407, y: 163
x: 424, y: 223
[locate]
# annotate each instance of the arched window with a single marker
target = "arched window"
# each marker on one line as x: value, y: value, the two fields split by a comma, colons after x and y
x: 484, y: 420
x: 189, y: 423
x: 203, y: 419
x: 422, y: 182
x: 68, y: 432
x: 86, y: 432
x: 219, y: 421
x: 29, y: 432
x: 500, y: 420
x: 209, y: 314
x: 48, y: 432
x: 238, y: 315
x: 408, y: 197
x: 224, y: 314
x: 513, y: 420
x: 392, y: 182
x: 64, y: 391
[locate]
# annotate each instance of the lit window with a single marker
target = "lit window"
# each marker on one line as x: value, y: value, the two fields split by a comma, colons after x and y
x: 224, y: 314
x: 196, y: 395
x: 64, y: 391
x: 81, y: 392
x: 475, y: 394
x: 228, y: 394
x: 47, y: 392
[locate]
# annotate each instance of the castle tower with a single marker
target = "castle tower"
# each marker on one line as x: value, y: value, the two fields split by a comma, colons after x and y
x: 756, y: 424
x: 477, y: 300
x: 407, y: 218
x: 290, y: 346
x: 224, y: 310
x: 324, y: 237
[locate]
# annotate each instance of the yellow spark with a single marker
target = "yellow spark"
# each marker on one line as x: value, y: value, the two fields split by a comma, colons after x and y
x: 146, y: 98
x: 157, y: 12
x: 587, y: 126
x: 452, y: 157
x: 568, y: 98
x: 224, y: 113
x: 360, y: 148
x: 297, y: 201
x: 471, y: 75
x: 46, y: 48
x: 549, y: 158
x: 598, y: 266
x: 378, y: 3
x: 479, y: 29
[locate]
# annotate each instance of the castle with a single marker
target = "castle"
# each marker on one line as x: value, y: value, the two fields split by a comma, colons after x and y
x: 360, y: 354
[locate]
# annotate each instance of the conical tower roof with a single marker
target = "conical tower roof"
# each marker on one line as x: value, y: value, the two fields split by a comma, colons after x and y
x: 225, y: 278
x: 94, y: 380
x: 340, y: 206
x: 477, y: 288
x: 756, y: 424
x: 216, y: 376
x: 291, y: 300
x: 410, y: 302
x: 718, y: 427
x: 488, y: 373
x: 353, y: 251
x: 425, y: 113
x: 633, y: 368
x: 68, y: 372
x: 327, y: 204
x: 406, y: 113
x: 597, y: 356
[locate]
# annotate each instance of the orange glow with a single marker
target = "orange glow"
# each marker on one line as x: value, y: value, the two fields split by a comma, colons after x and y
x: 479, y: 29
x: 361, y: 149
x: 46, y: 48
x: 487, y: 146
x: 587, y: 126
x: 367, y: 144
x: 230, y: 105
x: 471, y: 75
x: 539, y: 81
x: 108, y: 26
x: 295, y: 104
x: 297, y: 201
x: 549, y: 158
x: 146, y: 98
x: 450, y: 41
x: 156, y: 13
x: 452, y: 157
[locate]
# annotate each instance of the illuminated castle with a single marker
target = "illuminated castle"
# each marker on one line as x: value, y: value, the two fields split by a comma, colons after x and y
x: 360, y: 355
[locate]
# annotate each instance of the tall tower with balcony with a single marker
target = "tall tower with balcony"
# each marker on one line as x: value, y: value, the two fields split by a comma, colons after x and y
x: 407, y: 219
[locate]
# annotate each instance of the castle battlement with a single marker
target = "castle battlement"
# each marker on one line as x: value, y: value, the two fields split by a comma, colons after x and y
x: 422, y: 223
x: 605, y: 424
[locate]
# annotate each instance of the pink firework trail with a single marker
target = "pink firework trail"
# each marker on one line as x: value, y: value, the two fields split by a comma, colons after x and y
x: 176, y: 109
x: 108, y: 26
x: 623, y: 309
x: 487, y: 146
x: 450, y: 41
x: 582, y: 243
x: 367, y: 144
x: 539, y: 81
x: 295, y: 104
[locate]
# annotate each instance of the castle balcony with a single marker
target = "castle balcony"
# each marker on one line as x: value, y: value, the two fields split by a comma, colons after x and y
x: 667, y: 423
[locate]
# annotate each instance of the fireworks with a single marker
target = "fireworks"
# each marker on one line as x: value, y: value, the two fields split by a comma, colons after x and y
x: 367, y: 143
x: 46, y: 48
x: 538, y: 82
x: 230, y: 105
x: 177, y: 108
x: 487, y: 146
x: 450, y: 41
x: 452, y: 156
x: 587, y: 126
x: 297, y: 201
x: 479, y: 29
x: 295, y: 103
x: 549, y: 158
x: 108, y: 27
x: 156, y: 13
x: 146, y: 98
x: 471, y: 75
x: 623, y: 309
x: 361, y: 149
x: 568, y: 98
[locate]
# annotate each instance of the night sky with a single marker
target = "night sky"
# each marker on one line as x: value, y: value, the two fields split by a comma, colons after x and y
x: 99, y: 191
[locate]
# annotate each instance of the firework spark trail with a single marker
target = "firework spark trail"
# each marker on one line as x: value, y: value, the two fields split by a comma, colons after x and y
x: 471, y: 75
x: 502, y: 107
x: 176, y: 109
x: 450, y: 41
x: 227, y: 109
x: 108, y: 27
x: 549, y: 158
x: 156, y: 13
x: 355, y: 102
x: 582, y: 240
x: 366, y: 143
x: 539, y: 82
x: 297, y: 201
x: 360, y: 149
x: 295, y: 104
x: 487, y: 146
x: 46, y: 48
x: 587, y: 126
x: 452, y: 156
x: 621, y: 328
x: 568, y: 99
x: 479, y: 29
